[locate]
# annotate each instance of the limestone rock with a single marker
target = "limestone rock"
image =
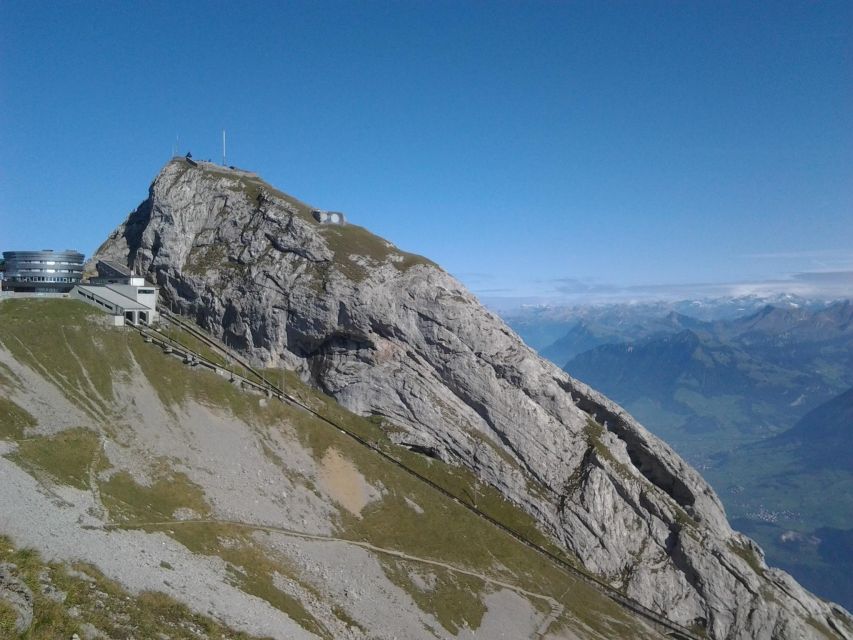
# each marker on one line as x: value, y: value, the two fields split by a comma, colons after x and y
x: 392, y: 334
x: 91, y: 632
x: 48, y: 589
x: 15, y: 593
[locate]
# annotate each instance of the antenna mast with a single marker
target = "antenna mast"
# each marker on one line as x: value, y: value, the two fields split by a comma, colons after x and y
x: 223, y: 147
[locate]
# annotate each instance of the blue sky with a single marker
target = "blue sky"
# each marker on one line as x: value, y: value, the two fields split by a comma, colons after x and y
x: 532, y: 149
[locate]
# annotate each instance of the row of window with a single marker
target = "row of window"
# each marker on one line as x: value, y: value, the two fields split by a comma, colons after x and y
x: 47, y: 270
x: 97, y: 301
x: 45, y: 262
x: 44, y: 279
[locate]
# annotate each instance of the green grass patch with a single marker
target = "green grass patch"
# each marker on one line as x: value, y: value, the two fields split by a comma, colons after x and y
x: 749, y: 556
x: 344, y: 616
x: 66, y: 456
x: 203, y: 259
x: 14, y: 420
x: 594, y: 432
x: 101, y: 602
x: 7, y: 376
x: 256, y: 579
x: 456, y: 600
x: 130, y: 501
x: 8, y: 620
x: 61, y: 339
x: 175, y: 384
x: 350, y: 239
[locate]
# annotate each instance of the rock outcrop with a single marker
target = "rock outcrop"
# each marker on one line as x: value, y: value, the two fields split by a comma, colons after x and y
x: 391, y: 334
x: 15, y: 594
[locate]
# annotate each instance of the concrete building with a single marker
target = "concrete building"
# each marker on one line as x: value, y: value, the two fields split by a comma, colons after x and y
x: 121, y: 301
x: 45, y: 271
x: 121, y: 293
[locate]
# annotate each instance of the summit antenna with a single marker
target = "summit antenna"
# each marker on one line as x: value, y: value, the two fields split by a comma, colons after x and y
x: 223, y: 147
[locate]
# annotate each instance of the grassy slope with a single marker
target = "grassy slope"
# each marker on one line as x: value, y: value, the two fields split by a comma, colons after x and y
x: 59, y: 339
x: 98, y: 601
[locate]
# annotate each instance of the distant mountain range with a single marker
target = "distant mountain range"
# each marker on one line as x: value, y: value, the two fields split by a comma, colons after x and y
x: 743, y: 378
x: 761, y: 402
x: 541, y: 325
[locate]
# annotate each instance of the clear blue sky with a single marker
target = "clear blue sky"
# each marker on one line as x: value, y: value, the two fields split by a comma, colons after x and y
x: 530, y: 148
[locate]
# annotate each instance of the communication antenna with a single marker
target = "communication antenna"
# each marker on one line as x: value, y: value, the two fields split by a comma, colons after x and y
x: 223, y: 147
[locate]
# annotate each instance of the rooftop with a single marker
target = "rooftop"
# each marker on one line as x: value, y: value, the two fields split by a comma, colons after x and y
x: 113, y: 297
x: 117, y: 267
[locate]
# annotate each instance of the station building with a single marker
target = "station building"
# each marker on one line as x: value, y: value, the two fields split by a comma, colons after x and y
x: 116, y: 290
x: 119, y: 292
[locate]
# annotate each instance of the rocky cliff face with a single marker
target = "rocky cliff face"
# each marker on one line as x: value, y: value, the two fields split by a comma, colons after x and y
x: 390, y: 333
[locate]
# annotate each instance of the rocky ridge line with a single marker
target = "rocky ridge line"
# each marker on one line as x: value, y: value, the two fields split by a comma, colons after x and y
x: 389, y: 333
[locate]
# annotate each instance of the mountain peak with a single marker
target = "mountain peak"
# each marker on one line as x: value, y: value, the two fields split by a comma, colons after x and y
x: 389, y: 334
x: 216, y: 218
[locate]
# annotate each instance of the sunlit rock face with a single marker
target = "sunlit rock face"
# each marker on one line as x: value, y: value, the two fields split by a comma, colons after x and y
x: 391, y: 334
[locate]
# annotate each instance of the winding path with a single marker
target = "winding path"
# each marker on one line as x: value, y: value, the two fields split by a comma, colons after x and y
x: 556, y: 608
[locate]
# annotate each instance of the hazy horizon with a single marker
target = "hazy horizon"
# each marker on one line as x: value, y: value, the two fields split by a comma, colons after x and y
x: 817, y: 286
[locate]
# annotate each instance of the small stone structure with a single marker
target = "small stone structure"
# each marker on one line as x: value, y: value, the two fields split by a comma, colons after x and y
x: 329, y: 217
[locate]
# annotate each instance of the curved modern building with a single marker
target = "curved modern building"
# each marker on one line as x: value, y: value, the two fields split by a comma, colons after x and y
x: 42, y: 271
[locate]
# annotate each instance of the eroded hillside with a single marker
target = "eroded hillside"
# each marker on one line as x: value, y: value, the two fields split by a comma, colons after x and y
x: 254, y: 514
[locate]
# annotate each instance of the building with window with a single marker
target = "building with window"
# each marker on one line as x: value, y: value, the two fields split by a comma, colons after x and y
x: 124, y: 302
x: 45, y: 271
x: 329, y: 217
x: 118, y: 291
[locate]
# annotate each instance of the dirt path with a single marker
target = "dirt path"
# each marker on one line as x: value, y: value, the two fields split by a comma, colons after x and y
x: 556, y: 608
